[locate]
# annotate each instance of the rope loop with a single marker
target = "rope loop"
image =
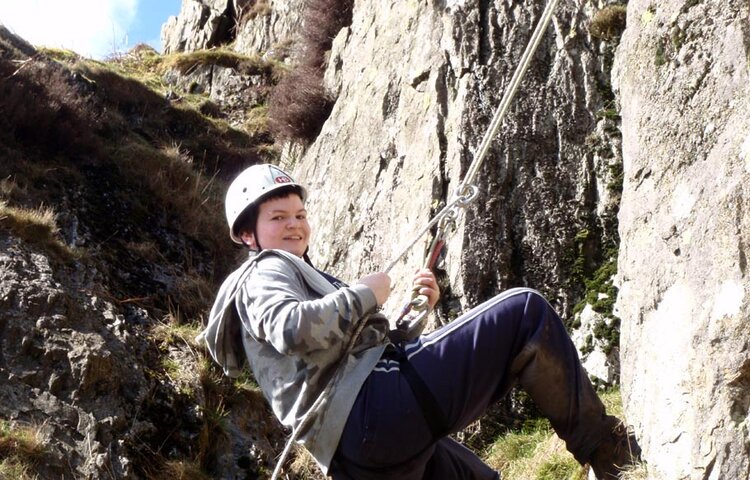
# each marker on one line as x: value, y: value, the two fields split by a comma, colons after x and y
x: 466, y: 194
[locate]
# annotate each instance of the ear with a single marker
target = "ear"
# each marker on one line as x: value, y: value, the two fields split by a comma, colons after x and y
x: 248, y: 239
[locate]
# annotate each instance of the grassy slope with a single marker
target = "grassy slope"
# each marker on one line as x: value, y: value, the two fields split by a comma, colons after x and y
x: 103, y: 173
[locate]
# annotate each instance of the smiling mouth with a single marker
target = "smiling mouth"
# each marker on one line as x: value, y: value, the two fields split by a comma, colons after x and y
x: 292, y: 238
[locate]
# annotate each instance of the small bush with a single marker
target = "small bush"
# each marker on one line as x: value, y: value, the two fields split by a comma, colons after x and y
x: 321, y: 22
x: 299, y: 106
x: 609, y: 22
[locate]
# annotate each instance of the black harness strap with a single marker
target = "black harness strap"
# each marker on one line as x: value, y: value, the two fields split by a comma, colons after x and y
x: 433, y: 413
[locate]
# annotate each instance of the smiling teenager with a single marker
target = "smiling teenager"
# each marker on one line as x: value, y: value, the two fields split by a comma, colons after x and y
x: 391, y: 401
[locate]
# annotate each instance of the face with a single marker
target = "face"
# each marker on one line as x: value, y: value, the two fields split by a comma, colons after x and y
x: 282, y: 224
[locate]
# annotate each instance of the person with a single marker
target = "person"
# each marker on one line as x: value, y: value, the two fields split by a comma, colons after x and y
x: 365, y: 401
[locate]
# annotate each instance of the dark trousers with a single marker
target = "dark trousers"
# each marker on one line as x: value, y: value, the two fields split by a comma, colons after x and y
x: 467, y: 365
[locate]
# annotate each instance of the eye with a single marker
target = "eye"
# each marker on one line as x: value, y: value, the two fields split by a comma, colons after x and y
x: 302, y: 216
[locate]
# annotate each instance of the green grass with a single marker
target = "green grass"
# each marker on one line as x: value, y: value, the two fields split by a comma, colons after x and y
x: 21, y: 448
x: 533, y: 454
x: 536, y: 453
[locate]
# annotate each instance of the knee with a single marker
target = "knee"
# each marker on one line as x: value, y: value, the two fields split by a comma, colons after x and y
x: 529, y: 304
x: 526, y: 298
x: 539, y: 309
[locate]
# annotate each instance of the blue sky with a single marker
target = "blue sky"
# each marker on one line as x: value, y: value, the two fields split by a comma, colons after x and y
x: 93, y: 28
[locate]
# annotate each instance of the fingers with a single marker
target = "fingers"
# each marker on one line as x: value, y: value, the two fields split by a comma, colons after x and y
x: 380, y: 284
x: 425, y: 284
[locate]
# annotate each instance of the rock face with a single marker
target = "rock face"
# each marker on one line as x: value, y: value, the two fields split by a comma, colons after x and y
x: 68, y: 363
x: 417, y: 84
x: 200, y: 24
x: 252, y: 25
x: 684, y: 86
x: 271, y: 31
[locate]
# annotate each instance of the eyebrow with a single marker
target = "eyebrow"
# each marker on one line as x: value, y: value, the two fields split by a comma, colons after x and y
x: 279, y: 210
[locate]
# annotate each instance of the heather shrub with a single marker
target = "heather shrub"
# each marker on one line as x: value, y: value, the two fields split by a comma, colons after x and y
x: 609, y: 22
x: 322, y: 21
x: 46, y: 107
x: 299, y: 105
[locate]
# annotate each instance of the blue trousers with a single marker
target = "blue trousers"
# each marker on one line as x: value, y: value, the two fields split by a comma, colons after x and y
x: 514, y: 338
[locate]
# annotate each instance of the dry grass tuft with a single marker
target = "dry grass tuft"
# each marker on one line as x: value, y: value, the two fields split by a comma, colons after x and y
x: 12, y: 470
x: 37, y: 226
x: 257, y: 121
x: 304, y: 465
x: 609, y: 22
x: 224, y: 57
x: 639, y: 472
x: 194, y: 293
x: 191, y: 196
x: 169, y: 332
x: 21, y: 447
x: 213, y: 433
x: 261, y: 8
x: 180, y: 470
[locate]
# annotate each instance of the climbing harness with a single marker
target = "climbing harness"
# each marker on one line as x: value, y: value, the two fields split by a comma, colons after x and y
x: 417, y: 309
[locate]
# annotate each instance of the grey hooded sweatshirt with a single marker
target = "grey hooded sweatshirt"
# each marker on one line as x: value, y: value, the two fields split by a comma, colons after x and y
x: 294, y: 328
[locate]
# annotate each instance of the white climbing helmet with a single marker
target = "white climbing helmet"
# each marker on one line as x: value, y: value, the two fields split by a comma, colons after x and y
x: 249, y: 189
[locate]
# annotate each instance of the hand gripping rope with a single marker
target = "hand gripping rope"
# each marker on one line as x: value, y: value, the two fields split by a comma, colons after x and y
x: 416, y: 310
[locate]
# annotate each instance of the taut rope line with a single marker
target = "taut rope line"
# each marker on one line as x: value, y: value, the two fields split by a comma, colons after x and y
x: 466, y: 191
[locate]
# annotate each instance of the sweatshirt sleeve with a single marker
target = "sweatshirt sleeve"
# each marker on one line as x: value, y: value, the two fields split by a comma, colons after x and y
x: 280, y: 312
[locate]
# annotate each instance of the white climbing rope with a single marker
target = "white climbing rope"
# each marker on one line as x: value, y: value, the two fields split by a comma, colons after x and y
x: 466, y: 191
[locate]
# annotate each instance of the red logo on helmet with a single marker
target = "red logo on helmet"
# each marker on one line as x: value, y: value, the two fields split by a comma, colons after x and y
x: 282, y: 179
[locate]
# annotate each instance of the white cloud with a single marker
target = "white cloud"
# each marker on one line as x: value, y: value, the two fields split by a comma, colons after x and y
x: 93, y: 28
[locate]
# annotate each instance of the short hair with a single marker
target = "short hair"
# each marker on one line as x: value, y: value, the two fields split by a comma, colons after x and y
x: 248, y: 219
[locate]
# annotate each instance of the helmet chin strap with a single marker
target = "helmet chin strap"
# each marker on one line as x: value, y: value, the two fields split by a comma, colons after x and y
x: 306, y: 258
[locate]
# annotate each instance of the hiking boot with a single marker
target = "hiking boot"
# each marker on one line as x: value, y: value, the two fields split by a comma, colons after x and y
x: 618, y: 451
